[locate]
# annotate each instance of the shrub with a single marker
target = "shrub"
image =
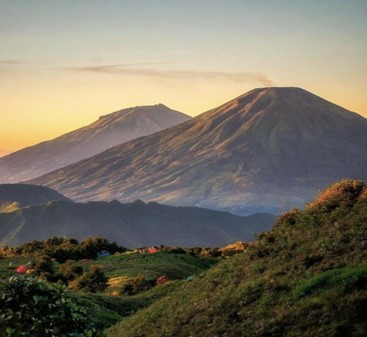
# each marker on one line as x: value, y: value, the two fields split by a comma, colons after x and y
x: 136, y: 285
x: 93, y: 281
x: 30, y: 308
x: 342, y: 193
x: 43, y: 266
x: 69, y: 271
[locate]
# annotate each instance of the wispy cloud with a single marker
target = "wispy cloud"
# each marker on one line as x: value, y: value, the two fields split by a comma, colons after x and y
x: 21, y: 61
x: 11, y: 62
x: 135, y: 70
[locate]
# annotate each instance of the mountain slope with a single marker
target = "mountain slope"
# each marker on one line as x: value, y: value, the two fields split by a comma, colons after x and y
x: 268, y: 149
x: 307, y: 277
x: 3, y: 152
x: 28, y: 195
x: 108, y: 131
x: 132, y: 225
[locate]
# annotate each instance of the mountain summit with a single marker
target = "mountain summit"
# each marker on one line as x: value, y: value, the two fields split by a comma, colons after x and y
x: 108, y: 131
x: 263, y: 149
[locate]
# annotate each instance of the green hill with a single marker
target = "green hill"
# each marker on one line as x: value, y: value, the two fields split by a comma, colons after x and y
x: 106, y: 308
x: 134, y: 224
x: 306, y: 277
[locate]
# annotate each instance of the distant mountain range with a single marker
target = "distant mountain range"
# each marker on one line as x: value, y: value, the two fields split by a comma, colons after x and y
x: 131, y: 225
x: 108, y: 131
x: 269, y: 149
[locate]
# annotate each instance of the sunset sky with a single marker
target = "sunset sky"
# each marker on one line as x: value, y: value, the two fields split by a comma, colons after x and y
x: 63, y: 63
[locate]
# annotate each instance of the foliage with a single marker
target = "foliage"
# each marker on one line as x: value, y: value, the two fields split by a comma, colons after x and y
x: 63, y: 249
x: 306, y: 277
x: 68, y: 271
x: 43, y: 267
x: 105, y: 309
x: 136, y: 285
x: 30, y: 308
x: 93, y: 281
x: 342, y: 193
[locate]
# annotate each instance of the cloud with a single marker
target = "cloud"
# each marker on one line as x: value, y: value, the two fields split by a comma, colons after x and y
x: 132, y: 70
x: 11, y: 62
x: 30, y: 61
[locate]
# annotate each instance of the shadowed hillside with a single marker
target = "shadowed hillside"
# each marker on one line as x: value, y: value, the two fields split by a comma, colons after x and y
x: 132, y: 225
x: 108, y: 131
x: 268, y: 149
x: 306, y: 277
x: 23, y: 195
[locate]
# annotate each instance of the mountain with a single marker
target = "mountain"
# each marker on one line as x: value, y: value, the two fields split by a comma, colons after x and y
x: 106, y: 132
x: 23, y: 195
x: 132, y: 225
x: 306, y: 277
x: 269, y: 149
x: 3, y: 152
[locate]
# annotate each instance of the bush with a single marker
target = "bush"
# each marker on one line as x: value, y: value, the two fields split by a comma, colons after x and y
x: 342, y: 193
x: 93, y: 281
x: 69, y: 271
x: 136, y: 285
x: 43, y: 266
x: 30, y: 308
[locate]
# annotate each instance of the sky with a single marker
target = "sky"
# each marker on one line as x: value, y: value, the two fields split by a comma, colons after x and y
x: 64, y: 63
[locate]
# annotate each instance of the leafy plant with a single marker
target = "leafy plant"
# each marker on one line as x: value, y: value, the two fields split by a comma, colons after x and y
x: 136, y: 285
x: 30, y: 308
x: 92, y: 281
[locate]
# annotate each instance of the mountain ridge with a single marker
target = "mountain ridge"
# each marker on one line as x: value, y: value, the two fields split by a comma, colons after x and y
x: 269, y: 148
x: 134, y: 224
x: 108, y: 131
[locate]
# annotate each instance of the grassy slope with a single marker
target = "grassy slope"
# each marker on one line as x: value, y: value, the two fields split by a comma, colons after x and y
x: 107, y: 309
x: 307, y: 277
x: 175, y: 266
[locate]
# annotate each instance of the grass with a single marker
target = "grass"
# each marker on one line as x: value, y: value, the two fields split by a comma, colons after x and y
x: 347, y: 279
x: 8, y: 265
x: 175, y: 266
x: 107, y: 309
x: 306, y: 277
